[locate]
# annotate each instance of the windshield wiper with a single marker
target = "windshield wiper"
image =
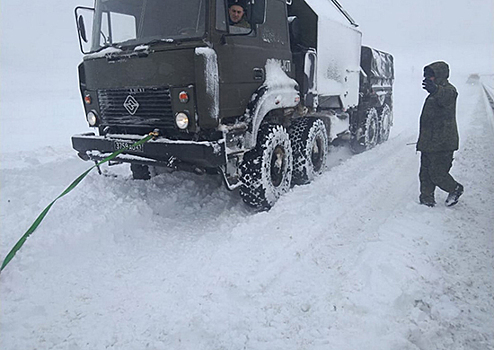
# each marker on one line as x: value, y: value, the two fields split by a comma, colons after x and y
x: 128, y: 44
x: 117, y: 46
x: 158, y: 41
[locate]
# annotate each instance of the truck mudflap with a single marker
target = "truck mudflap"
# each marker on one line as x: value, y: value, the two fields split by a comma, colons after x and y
x: 159, y: 151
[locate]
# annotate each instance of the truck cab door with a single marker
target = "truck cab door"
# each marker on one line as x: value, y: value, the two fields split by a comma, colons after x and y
x: 242, y: 54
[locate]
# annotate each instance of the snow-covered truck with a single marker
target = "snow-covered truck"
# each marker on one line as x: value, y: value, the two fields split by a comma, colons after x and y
x: 259, y: 104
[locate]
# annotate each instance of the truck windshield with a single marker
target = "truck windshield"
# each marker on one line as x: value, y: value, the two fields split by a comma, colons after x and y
x: 132, y: 22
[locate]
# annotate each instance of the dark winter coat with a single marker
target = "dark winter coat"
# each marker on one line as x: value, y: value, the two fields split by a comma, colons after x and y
x: 438, y: 129
x: 243, y: 23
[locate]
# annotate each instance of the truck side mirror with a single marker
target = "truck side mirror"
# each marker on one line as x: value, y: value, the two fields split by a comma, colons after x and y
x: 84, y: 17
x: 258, y: 11
x: 82, y: 28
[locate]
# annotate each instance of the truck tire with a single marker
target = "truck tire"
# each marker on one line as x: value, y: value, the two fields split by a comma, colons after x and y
x: 310, y: 149
x: 266, y: 171
x: 369, y: 131
x: 140, y: 172
x: 385, y: 122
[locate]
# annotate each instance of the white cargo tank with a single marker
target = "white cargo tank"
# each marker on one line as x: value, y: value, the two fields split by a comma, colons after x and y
x: 338, y: 55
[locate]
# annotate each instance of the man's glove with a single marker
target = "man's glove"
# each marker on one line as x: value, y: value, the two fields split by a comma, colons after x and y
x: 429, y: 85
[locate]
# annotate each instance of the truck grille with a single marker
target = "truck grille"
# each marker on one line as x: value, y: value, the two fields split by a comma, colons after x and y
x: 136, y: 107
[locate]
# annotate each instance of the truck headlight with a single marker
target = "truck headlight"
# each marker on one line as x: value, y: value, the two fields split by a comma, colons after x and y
x: 92, y: 118
x: 182, y: 120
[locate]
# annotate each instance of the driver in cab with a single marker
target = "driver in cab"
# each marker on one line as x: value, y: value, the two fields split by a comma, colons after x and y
x: 237, y: 16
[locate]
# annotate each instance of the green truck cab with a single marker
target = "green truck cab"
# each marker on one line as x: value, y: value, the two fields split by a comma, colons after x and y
x: 259, y: 103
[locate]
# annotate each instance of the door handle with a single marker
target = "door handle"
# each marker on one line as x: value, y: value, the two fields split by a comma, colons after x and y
x: 259, y: 74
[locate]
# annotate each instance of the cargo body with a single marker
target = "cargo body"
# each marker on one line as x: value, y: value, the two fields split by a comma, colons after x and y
x: 258, y: 103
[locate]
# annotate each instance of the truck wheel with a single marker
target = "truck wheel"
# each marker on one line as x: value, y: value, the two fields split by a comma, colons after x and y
x: 310, y: 149
x: 266, y: 171
x: 368, y: 134
x: 140, y: 172
x: 385, y: 122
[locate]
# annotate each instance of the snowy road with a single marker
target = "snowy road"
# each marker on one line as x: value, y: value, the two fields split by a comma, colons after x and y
x: 488, y: 85
x: 351, y: 261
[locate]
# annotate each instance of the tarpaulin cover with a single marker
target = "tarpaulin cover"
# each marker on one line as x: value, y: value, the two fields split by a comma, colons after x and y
x: 377, y: 64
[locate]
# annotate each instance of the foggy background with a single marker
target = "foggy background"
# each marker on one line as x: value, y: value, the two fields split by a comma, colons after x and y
x: 418, y: 32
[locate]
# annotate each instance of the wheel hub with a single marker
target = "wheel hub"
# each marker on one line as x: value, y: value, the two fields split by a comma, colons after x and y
x: 317, y: 154
x: 277, y: 165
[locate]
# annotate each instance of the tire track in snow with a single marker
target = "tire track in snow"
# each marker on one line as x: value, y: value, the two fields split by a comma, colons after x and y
x: 372, y: 197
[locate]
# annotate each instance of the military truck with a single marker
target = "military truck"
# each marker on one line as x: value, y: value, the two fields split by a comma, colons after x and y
x: 259, y: 104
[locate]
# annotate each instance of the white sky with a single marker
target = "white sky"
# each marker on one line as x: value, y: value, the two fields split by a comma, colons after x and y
x: 415, y: 31
x: 427, y: 21
x: 461, y: 30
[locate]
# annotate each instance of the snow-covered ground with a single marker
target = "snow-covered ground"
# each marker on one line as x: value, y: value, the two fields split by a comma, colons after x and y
x: 349, y: 262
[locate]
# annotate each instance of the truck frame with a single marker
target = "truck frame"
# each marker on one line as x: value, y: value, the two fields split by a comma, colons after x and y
x: 259, y: 104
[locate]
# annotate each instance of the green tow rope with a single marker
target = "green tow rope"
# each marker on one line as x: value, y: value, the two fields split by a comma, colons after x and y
x: 41, y: 216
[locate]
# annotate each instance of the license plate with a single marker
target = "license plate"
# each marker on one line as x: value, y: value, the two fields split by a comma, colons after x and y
x: 123, y: 144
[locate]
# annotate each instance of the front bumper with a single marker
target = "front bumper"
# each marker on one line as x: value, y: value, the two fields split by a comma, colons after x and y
x: 160, y: 151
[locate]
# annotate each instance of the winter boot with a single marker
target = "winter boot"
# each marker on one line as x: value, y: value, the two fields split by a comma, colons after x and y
x: 454, y: 196
x: 427, y: 200
x: 429, y: 203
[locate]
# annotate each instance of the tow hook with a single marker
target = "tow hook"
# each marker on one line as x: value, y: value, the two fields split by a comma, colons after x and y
x: 155, y: 133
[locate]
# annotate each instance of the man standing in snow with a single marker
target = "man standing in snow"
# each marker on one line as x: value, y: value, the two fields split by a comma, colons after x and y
x: 438, y: 138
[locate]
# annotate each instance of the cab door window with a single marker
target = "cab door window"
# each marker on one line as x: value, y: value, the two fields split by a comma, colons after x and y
x: 233, y: 16
x: 238, y: 17
x: 221, y: 16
